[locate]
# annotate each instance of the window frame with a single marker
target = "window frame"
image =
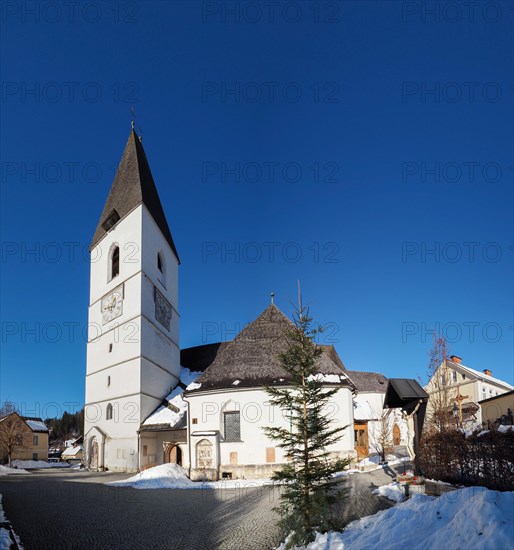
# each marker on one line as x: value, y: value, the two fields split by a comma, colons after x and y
x: 233, y: 414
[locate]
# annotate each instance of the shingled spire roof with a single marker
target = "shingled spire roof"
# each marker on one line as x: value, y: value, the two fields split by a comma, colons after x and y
x: 251, y: 359
x: 132, y: 185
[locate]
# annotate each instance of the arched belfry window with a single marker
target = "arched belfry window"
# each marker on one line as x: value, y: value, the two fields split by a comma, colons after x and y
x: 108, y: 412
x: 114, y: 262
x: 161, y: 267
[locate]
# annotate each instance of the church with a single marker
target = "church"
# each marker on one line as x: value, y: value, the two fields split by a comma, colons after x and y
x: 149, y: 402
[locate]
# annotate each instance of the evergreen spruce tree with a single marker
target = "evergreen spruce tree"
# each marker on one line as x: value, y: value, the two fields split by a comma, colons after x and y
x: 308, y: 489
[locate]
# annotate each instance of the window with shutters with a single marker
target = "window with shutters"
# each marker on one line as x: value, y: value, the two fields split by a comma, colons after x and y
x: 232, y: 426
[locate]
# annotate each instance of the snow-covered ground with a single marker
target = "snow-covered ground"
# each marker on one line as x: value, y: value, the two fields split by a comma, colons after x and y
x: 173, y: 476
x: 471, y: 518
x: 6, y: 471
x: 5, y: 539
x: 393, y: 491
x: 31, y: 464
x: 374, y: 460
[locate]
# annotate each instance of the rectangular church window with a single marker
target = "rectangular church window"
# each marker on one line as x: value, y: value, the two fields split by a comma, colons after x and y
x: 232, y: 426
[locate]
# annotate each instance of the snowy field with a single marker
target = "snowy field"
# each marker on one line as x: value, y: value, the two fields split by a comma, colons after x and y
x: 173, y: 476
x: 473, y: 518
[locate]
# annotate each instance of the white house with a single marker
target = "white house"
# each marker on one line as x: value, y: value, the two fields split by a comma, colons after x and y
x: 374, y: 426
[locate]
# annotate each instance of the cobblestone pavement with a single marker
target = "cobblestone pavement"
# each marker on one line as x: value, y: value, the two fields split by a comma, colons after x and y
x: 63, y: 509
x: 58, y: 510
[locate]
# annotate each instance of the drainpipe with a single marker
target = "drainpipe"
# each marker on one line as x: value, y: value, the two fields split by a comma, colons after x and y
x: 188, y: 432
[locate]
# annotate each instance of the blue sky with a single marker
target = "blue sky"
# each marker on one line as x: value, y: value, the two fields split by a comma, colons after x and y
x: 364, y: 148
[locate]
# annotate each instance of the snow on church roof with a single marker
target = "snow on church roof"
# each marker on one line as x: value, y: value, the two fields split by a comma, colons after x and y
x: 172, y: 415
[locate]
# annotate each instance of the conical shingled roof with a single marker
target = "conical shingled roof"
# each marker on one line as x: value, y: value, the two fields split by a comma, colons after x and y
x: 251, y: 359
x: 133, y: 185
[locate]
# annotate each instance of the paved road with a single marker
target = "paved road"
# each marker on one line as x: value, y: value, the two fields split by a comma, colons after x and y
x: 75, y: 509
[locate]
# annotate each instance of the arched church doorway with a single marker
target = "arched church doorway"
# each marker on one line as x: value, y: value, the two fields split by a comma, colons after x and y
x: 173, y: 454
x: 396, y: 435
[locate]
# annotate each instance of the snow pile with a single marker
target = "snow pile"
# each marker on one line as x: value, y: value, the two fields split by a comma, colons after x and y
x: 5, y: 471
x: 173, y: 413
x: 173, y: 476
x: 5, y: 539
x: 393, y: 491
x: 165, y: 476
x: 474, y: 517
x: 31, y: 464
x: 505, y: 429
x: 375, y: 460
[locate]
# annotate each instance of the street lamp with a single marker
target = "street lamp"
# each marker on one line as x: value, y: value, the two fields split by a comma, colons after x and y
x: 455, y: 412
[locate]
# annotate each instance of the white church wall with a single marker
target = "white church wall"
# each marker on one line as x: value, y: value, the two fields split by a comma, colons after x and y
x: 153, y: 242
x: 157, y: 346
x: 127, y: 234
x: 256, y: 413
x: 118, y: 380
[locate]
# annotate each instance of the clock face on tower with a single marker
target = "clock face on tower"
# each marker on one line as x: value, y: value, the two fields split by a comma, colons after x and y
x: 112, y: 305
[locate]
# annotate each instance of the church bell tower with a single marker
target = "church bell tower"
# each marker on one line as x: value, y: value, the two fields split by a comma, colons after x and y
x: 133, y: 356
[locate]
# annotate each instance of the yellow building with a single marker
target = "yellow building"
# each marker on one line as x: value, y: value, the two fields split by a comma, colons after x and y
x: 23, y: 438
x: 464, y: 388
x: 498, y: 409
